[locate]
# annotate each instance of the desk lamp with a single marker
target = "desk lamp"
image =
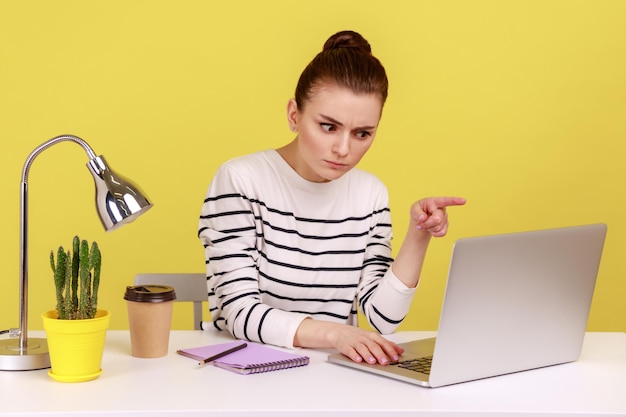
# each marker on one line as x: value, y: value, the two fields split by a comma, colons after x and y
x: 118, y: 202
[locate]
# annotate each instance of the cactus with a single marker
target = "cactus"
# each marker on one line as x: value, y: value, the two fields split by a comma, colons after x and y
x: 95, y: 262
x: 77, y: 280
x: 59, y: 279
x: 75, y: 265
x: 67, y: 306
x: 84, y: 279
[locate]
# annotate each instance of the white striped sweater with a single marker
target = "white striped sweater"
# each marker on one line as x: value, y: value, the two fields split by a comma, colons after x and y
x: 280, y: 248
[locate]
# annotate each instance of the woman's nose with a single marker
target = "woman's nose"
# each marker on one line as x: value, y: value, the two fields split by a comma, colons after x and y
x: 342, y: 145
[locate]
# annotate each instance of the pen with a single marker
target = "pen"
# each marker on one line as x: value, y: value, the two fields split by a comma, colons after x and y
x: 224, y: 353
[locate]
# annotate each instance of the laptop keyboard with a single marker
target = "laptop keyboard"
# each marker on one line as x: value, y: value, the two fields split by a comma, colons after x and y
x: 421, y: 365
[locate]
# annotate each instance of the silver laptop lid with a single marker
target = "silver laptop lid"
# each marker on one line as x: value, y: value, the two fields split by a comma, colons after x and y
x: 515, y: 302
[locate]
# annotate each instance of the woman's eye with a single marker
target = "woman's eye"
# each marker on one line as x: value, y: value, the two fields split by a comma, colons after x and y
x: 327, y: 127
x: 363, y: 135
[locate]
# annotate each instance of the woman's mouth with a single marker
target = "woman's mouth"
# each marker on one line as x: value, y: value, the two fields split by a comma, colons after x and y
x: 335, y: 165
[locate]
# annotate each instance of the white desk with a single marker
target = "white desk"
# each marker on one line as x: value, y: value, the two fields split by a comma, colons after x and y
x: 174, y: 385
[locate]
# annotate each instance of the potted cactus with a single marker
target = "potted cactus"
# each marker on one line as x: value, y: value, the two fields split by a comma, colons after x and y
x: 77, y: 280
x: 76, y: 329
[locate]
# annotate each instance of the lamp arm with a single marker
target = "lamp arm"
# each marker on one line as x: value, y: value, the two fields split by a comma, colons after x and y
x: 24, y: 227
x: 39, y: 149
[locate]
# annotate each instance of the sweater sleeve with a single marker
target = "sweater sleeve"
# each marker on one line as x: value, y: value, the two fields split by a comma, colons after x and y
x: 228, y: 232
x: 383, y: 298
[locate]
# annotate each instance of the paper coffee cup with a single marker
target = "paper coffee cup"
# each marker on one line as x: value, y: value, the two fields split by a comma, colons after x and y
x: 149, y: 319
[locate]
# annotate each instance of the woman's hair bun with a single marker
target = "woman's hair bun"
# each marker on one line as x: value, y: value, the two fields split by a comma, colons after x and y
x: 348, y: 39
x: 347, y: 62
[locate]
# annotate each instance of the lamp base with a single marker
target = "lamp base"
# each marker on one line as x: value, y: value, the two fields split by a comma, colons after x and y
x: 35, y: 356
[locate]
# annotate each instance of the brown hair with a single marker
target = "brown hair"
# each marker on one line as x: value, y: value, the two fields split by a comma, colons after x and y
x: 347, y: 61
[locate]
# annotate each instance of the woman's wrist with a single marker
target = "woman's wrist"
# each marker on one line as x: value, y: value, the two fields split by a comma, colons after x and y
x: 316, y: 333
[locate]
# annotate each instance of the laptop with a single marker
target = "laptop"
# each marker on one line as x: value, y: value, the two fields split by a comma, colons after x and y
x: 513, y: 302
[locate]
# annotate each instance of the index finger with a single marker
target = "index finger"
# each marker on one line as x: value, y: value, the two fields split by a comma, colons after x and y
x: 442, y: 202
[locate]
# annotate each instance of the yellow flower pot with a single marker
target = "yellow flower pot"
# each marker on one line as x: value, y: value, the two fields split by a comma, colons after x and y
x: 75, y: 346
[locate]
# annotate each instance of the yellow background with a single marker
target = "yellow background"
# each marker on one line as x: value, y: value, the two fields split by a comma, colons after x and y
x: 519, y: 106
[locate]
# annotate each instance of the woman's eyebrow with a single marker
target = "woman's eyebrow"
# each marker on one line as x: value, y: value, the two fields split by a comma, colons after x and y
x: 330, y: 119
x: 338, y: 123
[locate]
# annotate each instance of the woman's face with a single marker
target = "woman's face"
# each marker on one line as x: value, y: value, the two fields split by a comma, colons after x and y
x: 335, y: 129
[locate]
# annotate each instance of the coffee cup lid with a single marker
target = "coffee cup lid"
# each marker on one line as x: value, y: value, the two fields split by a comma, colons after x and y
x: 150, y: 293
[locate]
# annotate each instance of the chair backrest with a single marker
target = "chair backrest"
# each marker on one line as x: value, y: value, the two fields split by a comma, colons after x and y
x: 188, y: 286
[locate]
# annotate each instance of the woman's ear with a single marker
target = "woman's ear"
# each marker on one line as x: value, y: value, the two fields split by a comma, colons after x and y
x: 292, y: 115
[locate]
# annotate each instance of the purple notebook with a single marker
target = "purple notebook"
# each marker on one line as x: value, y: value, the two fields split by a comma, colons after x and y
x: 254, y: 358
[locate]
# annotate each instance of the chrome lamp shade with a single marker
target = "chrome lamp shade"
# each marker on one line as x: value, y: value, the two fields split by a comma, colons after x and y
x: 118, y: 202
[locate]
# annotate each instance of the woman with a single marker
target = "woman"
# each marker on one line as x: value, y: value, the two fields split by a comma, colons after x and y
x: 297, y: 238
